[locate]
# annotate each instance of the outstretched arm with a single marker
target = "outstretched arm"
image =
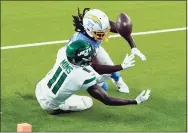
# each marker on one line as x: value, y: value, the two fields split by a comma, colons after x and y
x: 107, y: 69
x: 98, y: 93
x: 129, y: 38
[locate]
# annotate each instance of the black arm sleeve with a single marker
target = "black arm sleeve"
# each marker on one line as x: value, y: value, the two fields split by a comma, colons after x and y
x: 113, y: 27
x: 129, y: 39
x: 106, y: 69
x: 99, y: 94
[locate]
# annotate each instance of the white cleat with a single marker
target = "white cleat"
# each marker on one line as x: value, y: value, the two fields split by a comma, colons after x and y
x: 122, y: 87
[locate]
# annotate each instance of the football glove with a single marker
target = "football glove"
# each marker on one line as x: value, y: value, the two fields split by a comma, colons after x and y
x: 143, y: 96
x: 137, y: 52
x: 128, y: 61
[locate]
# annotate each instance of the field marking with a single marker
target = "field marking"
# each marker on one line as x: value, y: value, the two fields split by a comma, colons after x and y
x: 111, y: 36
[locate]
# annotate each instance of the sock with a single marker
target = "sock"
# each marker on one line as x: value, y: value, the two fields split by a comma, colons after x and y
x: 105, y: 86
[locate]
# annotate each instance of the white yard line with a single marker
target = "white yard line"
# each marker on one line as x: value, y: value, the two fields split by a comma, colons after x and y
x: 111, y: 36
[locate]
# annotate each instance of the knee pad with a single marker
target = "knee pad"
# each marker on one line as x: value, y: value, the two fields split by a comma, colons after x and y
x: 105, y: 86
x: 77, y: 103
x: 115, y: 76
x: 88, y: 102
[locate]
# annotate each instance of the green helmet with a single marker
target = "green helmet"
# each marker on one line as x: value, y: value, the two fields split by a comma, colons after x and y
x: 80, y: 53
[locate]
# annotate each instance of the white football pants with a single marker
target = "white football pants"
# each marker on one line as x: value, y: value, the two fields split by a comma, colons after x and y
x: 103, y: 56
x: 73, y: 103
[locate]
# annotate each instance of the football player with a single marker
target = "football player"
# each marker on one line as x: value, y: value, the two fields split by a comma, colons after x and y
x: 72, y: 72
x: 94, y: 26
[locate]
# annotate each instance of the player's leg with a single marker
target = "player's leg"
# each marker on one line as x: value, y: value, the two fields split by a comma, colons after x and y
x: 105, y: 59
x: 105, y: 86
x: 44, y: 102
x: 76, y: 103
x: 73, y: 103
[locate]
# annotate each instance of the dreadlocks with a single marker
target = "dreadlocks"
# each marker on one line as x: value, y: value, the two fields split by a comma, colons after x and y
x: 78, y: 20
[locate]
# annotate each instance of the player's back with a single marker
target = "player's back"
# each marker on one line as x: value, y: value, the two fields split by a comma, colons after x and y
x: 63, y: 80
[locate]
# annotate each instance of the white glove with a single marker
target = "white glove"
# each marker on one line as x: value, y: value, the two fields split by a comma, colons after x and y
x: 103, y: 78
x: 137, y: 52
x: 143, y: 96
x: 128, y: 61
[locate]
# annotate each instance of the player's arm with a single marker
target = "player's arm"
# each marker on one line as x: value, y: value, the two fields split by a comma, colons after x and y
x: 108, y: 69
x: 129, y: 38
x: 98, y: 93
x: 125, y: 32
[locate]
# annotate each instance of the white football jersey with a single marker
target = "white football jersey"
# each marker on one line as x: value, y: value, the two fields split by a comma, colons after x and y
x: 64, y: 79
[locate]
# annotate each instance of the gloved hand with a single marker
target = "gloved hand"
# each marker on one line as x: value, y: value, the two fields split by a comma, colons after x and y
x: 137, y: 52
x: 128, y: 61
x: 103, y: 78
x: 143, y: 96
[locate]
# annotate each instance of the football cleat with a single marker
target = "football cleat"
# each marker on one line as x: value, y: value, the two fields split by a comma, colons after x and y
x: 122, y: 87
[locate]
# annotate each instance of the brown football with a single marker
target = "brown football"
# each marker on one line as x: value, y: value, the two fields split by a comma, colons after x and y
x: 124, y: 25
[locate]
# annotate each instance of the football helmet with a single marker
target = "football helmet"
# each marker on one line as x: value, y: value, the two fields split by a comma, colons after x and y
x: 96, y: 24
x: 80, y: 53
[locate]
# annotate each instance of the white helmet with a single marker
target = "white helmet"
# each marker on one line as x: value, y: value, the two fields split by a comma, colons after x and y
x: 96, y: 24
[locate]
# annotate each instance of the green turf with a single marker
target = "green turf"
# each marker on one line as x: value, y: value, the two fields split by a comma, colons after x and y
x: 27, y: 22
x: 164, y: 71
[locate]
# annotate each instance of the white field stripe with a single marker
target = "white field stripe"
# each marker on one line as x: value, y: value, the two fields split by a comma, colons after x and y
x: 111, y: 36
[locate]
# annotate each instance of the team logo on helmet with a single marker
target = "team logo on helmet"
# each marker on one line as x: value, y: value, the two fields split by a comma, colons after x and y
x: 85, y: 52
x: 95, y: 19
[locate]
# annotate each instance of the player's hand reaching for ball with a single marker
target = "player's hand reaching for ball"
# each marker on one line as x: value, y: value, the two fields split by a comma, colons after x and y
x: 128, y: 61
x: 124, y: 28
x: 137, y: 52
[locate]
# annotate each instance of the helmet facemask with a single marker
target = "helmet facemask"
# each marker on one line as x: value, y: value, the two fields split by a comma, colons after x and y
x: 80, y: 62
x: 84, y: 61
x: 101, y: 35
x: 82, y: 56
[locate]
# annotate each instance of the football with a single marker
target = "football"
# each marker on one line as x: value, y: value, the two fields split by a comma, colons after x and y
x: 124, y: 25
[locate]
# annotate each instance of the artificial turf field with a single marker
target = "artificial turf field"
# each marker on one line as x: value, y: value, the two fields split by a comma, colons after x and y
x: 164, y: 71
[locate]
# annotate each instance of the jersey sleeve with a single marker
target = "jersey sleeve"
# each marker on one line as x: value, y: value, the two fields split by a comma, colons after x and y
x: 89, y: 81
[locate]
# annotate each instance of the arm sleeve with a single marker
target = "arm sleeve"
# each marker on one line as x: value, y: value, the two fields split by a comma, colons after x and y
x: 113, y: 27
x: 89, y: 81
x: 106, y: 69
x: 129, y: 39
